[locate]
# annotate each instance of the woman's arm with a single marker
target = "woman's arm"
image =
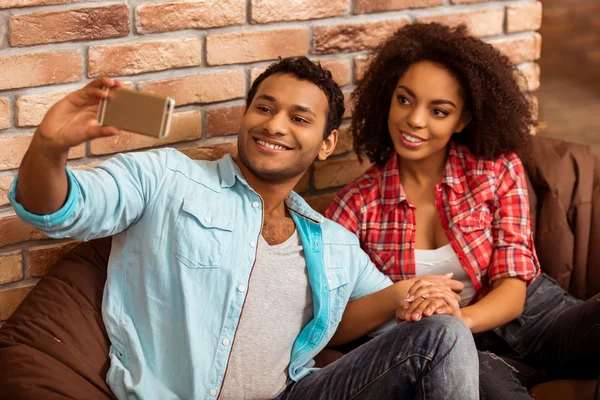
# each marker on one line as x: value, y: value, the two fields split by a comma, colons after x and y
x: 503, y: 304
x: 513, y: 261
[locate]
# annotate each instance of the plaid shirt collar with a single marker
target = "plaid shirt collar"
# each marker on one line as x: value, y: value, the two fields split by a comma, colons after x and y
x: 391, y: 190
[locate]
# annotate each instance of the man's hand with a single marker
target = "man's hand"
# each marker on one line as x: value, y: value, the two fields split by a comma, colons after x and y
x: 42, y: 186
x: 73, y: 120
x: 425, y: 298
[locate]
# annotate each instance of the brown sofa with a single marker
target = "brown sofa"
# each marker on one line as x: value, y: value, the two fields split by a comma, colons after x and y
x: 55, y: 345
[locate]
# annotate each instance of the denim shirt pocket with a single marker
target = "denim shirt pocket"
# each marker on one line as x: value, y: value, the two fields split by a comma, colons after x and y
x: 202, y: 234
x: 337, y: 284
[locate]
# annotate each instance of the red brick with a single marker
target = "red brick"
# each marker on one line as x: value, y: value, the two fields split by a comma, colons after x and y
x: 232, y: 48
x: 360, y: 66
x: 531, y: 76
x: 62, y: 26
x: 184, y: 126
x: 206, y: 88
x: 32, y: 108
x: 264, y: 11
x: 5, y: 182
x: 14, y: 148
x: 347, y: 103
x: 320, y: 202
x: 340, y: 70
x: 224, y: 120
x: 37, y: 69
x: 11, y: 267
x: 371, y: 6
x: 344, y: 144
x: 173, y: 16
x: 43, y: 258
x: 4, y: 113
x: 520, y: 49
x: 13, y: 231
x: 212, y: 151
x: 11, y: 298
x: 481, y: 23
x: 143, y: 56
x: 337, y: 172
x: 303, y: 183
x: 354, y: 36
x: 535, y: 105
x: 523, y: 17
x: 31, y: 3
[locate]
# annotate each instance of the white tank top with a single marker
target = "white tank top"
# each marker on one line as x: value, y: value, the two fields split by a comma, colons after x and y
x: 443, y: 261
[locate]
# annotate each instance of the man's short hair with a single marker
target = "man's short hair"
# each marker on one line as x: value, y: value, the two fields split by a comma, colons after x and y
x: 304, y: 69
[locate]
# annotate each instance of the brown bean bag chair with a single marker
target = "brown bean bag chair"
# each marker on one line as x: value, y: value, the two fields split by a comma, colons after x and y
x: 55, y: 345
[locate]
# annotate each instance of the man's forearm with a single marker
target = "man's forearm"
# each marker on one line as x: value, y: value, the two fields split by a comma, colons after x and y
x: 503, y: 304
x: 42, y: 185
x: 368, y: 313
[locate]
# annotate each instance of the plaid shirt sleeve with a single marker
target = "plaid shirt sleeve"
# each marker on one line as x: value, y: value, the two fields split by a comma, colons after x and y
x: 344, y: 209
x: 514, y: 253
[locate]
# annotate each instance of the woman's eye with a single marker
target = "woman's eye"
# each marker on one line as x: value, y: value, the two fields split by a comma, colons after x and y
x: 440, y: 113
x: 403, y: 100
x: 298, y: 119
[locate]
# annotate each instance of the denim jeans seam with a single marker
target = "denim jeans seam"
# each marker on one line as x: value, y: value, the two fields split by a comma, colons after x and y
x: 388, y: 370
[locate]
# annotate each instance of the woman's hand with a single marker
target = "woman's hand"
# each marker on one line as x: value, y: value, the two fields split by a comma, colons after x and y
x: 426, y: 298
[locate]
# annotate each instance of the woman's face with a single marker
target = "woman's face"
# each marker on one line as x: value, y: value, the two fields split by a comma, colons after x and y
x: 427, y: 108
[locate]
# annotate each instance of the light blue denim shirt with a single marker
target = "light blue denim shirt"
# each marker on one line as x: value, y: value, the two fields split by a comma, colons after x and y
x: 184, y: 245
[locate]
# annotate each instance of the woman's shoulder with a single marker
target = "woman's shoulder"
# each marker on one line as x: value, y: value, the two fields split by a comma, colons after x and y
x: 358, y: 192
x: 493, y: 168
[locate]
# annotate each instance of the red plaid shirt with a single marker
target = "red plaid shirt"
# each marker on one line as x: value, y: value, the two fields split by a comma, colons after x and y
x: 484, y: 209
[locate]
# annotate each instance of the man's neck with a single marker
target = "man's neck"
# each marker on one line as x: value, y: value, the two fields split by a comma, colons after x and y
x: 272, y: 194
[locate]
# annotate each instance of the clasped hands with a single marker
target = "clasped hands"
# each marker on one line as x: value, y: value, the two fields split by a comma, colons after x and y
x: 429, y: 295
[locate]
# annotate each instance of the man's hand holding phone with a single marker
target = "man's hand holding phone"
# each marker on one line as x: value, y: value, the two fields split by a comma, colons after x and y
x: 73, y: 120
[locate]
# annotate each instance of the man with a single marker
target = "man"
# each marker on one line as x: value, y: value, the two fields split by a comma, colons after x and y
x: 222, y: 282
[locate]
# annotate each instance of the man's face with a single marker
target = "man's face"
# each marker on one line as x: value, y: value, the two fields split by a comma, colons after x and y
x: 282, y: 130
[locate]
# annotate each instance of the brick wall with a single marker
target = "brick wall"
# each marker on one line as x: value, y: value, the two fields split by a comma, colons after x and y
x: 204, y: 54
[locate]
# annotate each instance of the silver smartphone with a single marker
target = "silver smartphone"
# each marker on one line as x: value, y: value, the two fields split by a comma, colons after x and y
x: 137, y: 112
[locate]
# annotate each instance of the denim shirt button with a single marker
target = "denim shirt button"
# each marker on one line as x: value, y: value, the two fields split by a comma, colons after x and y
x: 255, y: 204
x: 212, y: 392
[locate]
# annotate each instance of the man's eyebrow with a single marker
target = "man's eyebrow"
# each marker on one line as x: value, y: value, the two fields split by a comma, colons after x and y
x: 268, y: 98
x: 304, y: 109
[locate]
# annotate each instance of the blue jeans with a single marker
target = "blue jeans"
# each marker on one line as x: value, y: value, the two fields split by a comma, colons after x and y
x: 556, y: 337
x: 434, y: 358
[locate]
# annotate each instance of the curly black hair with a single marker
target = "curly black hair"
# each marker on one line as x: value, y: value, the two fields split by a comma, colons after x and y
x: 501, y: 115
x: 306, y: 70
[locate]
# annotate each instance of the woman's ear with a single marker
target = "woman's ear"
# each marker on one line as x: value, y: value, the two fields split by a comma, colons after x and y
x: 328, y: 145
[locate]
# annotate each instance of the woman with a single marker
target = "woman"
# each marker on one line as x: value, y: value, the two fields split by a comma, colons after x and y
x: 441, y: 116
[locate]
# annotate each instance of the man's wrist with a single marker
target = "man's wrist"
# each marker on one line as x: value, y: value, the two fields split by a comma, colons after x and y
x: 48, y: 149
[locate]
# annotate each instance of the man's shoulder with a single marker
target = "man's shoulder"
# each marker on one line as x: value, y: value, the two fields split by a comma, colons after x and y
x: 204, y: 172
x: 336, y: 234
